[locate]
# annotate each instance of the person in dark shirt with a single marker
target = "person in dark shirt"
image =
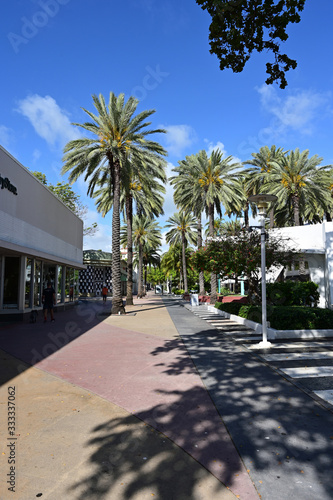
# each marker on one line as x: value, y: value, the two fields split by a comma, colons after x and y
x: 48, y: 300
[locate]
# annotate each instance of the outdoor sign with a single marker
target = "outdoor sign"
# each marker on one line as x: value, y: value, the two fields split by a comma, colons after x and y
x: 6, y: 184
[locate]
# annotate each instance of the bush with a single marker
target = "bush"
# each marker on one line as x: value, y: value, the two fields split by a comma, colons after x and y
x: 179, y: 291
x: 284, y: 317
x: 292, y: 293
x: 225, y: 291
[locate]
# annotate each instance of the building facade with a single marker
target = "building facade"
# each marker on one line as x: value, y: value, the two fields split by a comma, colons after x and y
x: 98, y: 272
x: 41, y: 240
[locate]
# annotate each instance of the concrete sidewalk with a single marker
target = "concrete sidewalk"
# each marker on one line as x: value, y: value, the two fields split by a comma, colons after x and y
x: 153, y: 404
x: 99, y: 414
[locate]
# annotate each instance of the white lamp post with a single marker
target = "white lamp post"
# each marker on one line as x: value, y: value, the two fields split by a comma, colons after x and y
x: 262, y: 201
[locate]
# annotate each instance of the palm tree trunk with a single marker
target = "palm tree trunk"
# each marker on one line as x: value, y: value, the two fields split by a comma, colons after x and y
x: 184, y: 263
x: 246, y: 215
x: 129, y: 220
x: 295, y: 202
x: 140, y: 272
x: 213, y: 277
x: 117, y: 301
x: 201, y: 274
x: 271, y: 219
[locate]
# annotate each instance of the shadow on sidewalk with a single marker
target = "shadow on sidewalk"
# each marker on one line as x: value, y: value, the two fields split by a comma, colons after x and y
x: 31, y: 343
x: 284, y: 437
x: 150, y: 464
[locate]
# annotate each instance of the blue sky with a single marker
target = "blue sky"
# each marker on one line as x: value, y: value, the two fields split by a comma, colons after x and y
x: 57, y: 53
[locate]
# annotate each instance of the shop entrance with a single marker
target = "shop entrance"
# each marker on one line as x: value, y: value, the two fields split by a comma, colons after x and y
x: 11, y: 282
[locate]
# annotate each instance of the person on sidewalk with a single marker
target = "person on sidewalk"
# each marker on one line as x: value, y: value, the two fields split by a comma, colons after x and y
x: 104, y: 292
x: 48, y: 300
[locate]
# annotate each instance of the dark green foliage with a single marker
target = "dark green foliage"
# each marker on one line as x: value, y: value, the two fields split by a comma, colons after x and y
x: 240, y: 27
x: 284, y: 317
x: 292, y: 293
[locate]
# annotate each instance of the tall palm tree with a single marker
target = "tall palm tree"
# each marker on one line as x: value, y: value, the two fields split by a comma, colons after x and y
x: 182, y: 231
x: 118, y: 136
x: 140, y: 185
x: 188, y: 199
x: 217, y: 179
x: 301, y: 186
x: 150, y: 257
x: 146, y: 233
x: 171, y: 262
x: 259, y: 174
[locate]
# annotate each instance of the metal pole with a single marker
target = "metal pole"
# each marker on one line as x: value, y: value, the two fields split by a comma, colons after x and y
x: 263, y: 282
x: 264, y: 343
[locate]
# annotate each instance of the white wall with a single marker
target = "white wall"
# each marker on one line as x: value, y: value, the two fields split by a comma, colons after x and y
x: 316, y: 242
x: 34, y: 221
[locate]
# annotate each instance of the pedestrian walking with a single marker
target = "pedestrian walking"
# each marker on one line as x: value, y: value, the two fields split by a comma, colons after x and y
x: 104, y: 292
x: 48, y: 300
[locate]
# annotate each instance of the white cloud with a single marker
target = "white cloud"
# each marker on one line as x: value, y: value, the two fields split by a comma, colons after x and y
x: 178, y: 138
x: 5, y: 136
x: 219, y: 145
x: 296, y: 110
x: 102, y: 240
x: 36, y: 155
x: 48, y: 119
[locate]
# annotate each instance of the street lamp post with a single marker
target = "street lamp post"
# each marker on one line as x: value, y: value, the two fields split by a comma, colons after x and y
x: 262, y: 201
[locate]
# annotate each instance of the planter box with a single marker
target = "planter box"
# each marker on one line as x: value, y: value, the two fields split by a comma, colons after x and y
x: 234, y: 298
x: 204, y: 299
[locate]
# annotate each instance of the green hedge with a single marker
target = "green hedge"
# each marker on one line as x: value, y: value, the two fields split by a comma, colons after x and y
x: 284, y: 317
x: 292, y: 293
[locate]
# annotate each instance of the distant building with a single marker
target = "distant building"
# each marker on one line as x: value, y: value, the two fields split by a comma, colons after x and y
x: 315, y: 241
x: 41, y: 240
x: 98, y: 271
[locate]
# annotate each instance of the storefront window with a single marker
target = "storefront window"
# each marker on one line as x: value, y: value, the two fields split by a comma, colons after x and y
x: 76, y: 284
x: 69, y: 290
x: 49, y: 274
x: 60, y: 275
x: 37, y: 283
x: 11, y: 282
x: 28, y: 277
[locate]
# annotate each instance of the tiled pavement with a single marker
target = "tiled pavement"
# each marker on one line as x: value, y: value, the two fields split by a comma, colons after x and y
x: 156, y: 404
x: 309, y: 363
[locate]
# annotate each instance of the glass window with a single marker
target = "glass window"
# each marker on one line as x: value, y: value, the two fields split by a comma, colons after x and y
x: 49, y: 272
x: 76, y: 283
x: 11, y: 282
x: 28, y: 282
x: 60, y: 275
x: 38, y: 283
x: 69, y: 283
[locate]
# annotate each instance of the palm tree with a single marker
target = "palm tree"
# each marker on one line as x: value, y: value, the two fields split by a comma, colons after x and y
x: 150, y: 257
x: 118, y: 136
x: 139, y: 186
x: 217, y: 181
x: 182, y: 231
x: 146, y: 233
x: 188, y: 199
x: 259, y: 174
x: 171, y: 262
x: 301, y: 186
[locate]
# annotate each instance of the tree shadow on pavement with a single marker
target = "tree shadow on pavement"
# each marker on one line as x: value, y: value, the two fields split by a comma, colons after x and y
x: 25, y: 344
x: 284, y: 437
x: 134, y: 458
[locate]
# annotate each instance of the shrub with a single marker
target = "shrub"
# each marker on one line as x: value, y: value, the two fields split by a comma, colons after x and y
x: 225, y: 291
x: 292, y: 293
x: 284, y: 317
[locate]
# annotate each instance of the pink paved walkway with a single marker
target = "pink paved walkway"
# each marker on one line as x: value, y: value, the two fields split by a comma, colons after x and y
x: 137, y: 372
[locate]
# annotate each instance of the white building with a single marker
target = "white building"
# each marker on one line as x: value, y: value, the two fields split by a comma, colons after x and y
x: 40, y: 240
x: 316, y: 243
